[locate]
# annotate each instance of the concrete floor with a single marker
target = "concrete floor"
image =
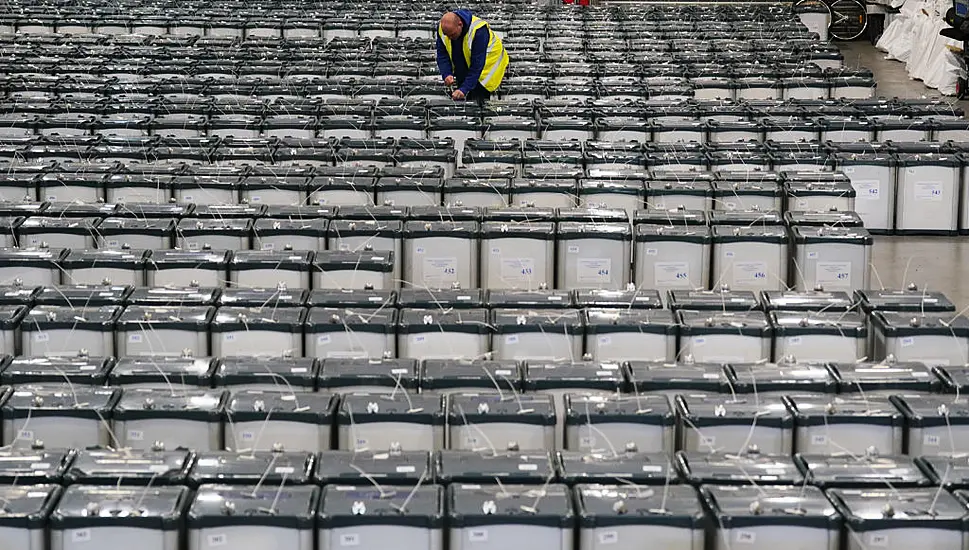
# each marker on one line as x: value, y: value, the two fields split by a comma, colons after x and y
x: 934, y: 263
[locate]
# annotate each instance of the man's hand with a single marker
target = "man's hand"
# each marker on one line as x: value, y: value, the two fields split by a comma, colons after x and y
x: 457, y: 95
x: 449, y: 80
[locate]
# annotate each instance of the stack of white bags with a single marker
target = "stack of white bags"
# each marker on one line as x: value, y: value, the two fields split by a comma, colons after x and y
x: 912, y: 37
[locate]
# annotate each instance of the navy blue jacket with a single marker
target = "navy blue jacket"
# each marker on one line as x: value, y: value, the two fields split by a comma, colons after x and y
x: 467, y: 77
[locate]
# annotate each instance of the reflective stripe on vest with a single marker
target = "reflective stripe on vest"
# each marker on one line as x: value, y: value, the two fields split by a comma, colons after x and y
x: 496, y: 59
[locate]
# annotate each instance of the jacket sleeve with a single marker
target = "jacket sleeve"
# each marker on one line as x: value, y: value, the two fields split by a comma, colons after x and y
x: 479, y: 54
x: 443, y: 60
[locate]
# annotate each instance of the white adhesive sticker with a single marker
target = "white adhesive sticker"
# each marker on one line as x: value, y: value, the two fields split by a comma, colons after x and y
x: 832, y: 275
x: 136, y: 435
x: 247, y: 436
x: 418, y: 339
x: 40, y: 466
x: 878, y: 539
x: 25, y: 434
x: 605, y: 340
x: 572, y: 249
x: 608, y: 537
x: 477, y: 535
x: 495, y: 251
x: 323, y: 339
x: 511, y: 338
x: 707, y: 442
x: 929, y: 191
x: 801, y: 204
x: 812, y: 255
x: 907, y: 341
x: 229, y: 337
x: 349, y: 539
x: 746, y: 537
x: 819, y: 439
x: 298, y: 370
x: 266, y: 246
x: 593, y: 270
x: 867, y: 190
x: 528, y: 467
x: 711, y: 376
x: 931, y: 440
x: 672, y: 274
x: 80, y: 535
x: 794, y: 341
x: 652, y: 468
x: 216, y: 540
x: 406, y: 469
x: 652, y: 251
x: 502, y: 372
x: 516, y: 269
x: 749, y: 274
x: 134, y: 338
x: 158, y: 468
x: 440, y: 271
x: 41, y: 337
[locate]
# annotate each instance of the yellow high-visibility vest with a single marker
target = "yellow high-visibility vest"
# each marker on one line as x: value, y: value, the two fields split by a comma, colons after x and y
x: 495, y: 63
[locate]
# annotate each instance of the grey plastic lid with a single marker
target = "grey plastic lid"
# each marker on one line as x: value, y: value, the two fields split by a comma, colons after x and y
x: 25, y: 467
x: 728, y: 221
x: 676, y: 217
x: 646, y: 233
x: 951, y: 472
x: 282, y: 260
x: 726, y: 409
x: 389, y: 373
x: 744, y: 323
x: 871, y: 471
x: 442, y: 374
x: 280, y: 296
x: 522, y: 467
x: 410, y: 408
x: 440, y: 299
x: 932, y: 411
x: 628, y: 299
x: 578, y: 375
x: 211, y: 260
x: 471, y: 505
x: 731, y: 468
x: 282, y: 372
x: 273, y: 468
x: 593, y: 215
x: 519, y: 214
x: 737, y: 506
x: 616, y: 505
x: 786, y: 375
x: 279, y: 319
x: 27, y: 506
x: 831, y: 235
x: 516, y: 230
x: 146, y: 317
x: 133, y: 260
x: 867, y: 410
x: 424, y: 229
x: 365, y: 226
x: 80, y: 369
x: 913, y: 300
x: 506, y: 298
x: 392, y: 466
x: 171, y: 296
x: 361, y: 506
x: 59, y: 400
x: 884, y: 375
x: 325, y: 319
x: 714, y: 300
x: 429, y: 320
x: 162, y: 369
x: 13, y: 294
x: 196, y: 405
x: 281, y: 405
x: 804, y: 323
x: 607, y: 321
x: 129, y: 467
x: 491, y: 407
x: 338, y: 260
x: 581, y: 410
x: 684, y: 376
x: 88, y: 506
x: 807, y: 300
x: 82, y: 295
x: 262, y: 506
x: 39, y: 225
x: 514, y: 321
x: 726, y: 190
x: 830, y: 218
x: 352, y: 298
x: 879, y: 508
x: 582, y: 230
